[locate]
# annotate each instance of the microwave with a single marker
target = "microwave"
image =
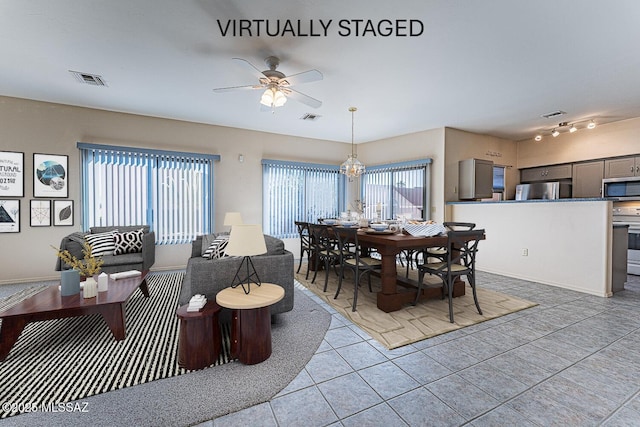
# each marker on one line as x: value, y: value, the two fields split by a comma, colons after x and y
x: 621, y: 188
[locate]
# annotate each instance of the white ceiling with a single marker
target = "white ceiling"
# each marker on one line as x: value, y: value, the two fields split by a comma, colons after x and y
x: 491, y: 66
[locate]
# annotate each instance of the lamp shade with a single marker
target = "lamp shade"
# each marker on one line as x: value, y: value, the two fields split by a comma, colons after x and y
x: 232, y: 218
x: 246, y: 240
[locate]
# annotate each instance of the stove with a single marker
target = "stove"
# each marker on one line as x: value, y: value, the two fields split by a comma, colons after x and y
x: 629, y: 214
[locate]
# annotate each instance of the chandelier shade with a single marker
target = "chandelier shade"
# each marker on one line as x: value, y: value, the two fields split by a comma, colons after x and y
x: 352, y: 167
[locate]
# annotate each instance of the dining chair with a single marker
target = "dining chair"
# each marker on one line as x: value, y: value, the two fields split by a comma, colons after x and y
x: 351, y: 258
x: 305, y: 244
x: 323, y: 248
x: 441, y: 252
x: 462, y: 248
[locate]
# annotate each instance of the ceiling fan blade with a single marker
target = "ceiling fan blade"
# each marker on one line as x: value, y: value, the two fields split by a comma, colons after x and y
x: 301, y: 97
x: 236, y: 88
x: 249, y: 66
x: 304, y: 77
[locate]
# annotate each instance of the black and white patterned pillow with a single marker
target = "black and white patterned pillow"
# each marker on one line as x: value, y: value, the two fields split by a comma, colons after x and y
x: 216, y: 248
x: 102, y: 243
x: 129, y: 242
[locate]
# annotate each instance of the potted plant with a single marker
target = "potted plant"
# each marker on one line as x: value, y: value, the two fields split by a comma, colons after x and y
x: 88, y: 266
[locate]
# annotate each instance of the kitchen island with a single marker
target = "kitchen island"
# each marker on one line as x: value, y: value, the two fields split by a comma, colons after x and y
x: 568, y: 243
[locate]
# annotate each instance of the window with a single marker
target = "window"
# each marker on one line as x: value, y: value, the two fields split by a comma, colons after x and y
x: 295, y: 191
x: 170, y: 191
x: 498, y: 179
x: 397, y: 189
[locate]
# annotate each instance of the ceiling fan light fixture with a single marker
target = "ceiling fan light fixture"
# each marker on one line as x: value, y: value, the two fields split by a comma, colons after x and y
x: 272, y: 97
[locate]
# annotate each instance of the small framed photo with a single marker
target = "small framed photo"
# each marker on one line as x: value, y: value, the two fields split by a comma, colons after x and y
x: 11, y: 174
x: 9, y: 216
x: 62, y: 212
x: 50, y: 175
x: 40, y: 213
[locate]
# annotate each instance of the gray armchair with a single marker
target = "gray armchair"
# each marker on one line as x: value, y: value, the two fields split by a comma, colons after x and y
x: 209, y: 276
x: 141, y: 261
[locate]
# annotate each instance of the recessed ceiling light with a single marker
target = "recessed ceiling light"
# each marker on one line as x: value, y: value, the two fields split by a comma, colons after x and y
x: 591, y: 125
x: 538, y: 138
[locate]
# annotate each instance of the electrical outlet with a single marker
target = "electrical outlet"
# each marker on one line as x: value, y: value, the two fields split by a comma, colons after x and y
x: 525, y: 252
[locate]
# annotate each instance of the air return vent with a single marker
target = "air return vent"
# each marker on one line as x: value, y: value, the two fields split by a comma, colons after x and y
x: 310, y: 117
x: 90, y: 79
x: 553, y: 114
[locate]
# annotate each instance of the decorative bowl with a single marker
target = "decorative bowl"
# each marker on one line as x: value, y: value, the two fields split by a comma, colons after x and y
x: 379, y: 227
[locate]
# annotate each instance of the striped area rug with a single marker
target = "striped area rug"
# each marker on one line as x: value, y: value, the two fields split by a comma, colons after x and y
x: 58, y: 361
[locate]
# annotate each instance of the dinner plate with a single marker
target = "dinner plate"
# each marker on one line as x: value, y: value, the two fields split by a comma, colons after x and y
x: 372, y: 231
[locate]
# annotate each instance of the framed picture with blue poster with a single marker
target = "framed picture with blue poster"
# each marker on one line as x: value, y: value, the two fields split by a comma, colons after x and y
x: 50, y: 175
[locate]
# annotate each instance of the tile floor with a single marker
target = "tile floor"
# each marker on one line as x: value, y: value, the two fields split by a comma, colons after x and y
x: 572, y: 361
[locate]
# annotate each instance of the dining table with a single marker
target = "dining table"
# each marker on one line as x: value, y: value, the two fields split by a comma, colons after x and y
x: 398, y: 290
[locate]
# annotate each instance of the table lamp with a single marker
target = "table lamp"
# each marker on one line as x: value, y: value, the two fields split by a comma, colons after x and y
x: 246, y: 240
x: 232, y: 218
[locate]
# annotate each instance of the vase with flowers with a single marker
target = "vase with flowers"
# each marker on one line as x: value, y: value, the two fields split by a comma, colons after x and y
x: 89, y: 266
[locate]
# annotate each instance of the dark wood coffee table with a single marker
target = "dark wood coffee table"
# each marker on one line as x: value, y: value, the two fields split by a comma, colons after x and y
x: 49, y: 304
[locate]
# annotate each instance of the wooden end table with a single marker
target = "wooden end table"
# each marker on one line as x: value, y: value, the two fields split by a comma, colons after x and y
x: 199, y: 341
x: 250, y: 320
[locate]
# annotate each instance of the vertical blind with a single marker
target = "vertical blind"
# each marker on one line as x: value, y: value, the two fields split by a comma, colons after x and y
x: 295, y: 191
x: 397, y: 189
x: 170, y: 191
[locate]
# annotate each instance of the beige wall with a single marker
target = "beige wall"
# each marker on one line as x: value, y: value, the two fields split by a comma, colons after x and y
x: 37, y: 127
x: 461, y: 145
x: 608, y: 140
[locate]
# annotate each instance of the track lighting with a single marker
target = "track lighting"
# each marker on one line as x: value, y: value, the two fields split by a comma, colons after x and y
x: 562, y: 126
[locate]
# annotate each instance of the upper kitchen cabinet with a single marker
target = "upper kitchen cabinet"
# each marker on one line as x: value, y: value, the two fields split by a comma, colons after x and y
x: 622, y: 167
x: 587, y: 179
x: 546, y: 173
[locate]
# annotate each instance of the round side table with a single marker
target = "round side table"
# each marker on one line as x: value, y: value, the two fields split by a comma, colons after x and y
x: 250, y: 320
x: 199, y: 341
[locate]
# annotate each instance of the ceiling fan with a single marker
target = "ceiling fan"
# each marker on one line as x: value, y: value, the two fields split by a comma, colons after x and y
x: 276, y: 86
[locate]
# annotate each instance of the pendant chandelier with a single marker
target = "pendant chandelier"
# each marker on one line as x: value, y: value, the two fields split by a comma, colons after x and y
x: 352, y: 166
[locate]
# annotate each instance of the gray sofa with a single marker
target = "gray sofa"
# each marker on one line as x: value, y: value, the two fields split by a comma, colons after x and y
x: 209, y: 276
x: 140, y: 261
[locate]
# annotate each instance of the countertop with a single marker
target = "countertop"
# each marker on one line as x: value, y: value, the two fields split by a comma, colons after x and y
x: 567, y: 200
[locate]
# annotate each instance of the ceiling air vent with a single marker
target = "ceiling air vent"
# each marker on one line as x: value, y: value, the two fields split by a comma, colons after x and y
x: 553, y: 114
x: 90, y: 79
x: 310, y: 117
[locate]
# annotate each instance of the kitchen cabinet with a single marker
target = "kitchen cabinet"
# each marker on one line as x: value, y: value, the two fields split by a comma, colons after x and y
x: 587, y: 179
x: 622, y: 167
x: 546, y: 173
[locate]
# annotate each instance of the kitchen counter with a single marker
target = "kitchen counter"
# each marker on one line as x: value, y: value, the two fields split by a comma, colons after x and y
x: 584, y: 199
x: 566, y: 243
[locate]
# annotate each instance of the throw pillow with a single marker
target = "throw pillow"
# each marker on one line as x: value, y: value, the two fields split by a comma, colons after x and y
x: 129, y: 242
x: 216, y: 248
x: 101, y: 243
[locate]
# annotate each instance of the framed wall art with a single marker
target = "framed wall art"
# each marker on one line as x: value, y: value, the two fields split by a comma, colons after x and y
x: 63, y: 212
x: 9, y: 216
x: 50, y: 175
x: 11, y: 174
x: 40, y: 211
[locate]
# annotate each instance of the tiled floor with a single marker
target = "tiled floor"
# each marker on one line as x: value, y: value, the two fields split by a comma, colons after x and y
x: 574, y: 360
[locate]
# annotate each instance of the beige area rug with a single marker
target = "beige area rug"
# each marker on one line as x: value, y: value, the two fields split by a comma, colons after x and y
x: 410, y: 324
